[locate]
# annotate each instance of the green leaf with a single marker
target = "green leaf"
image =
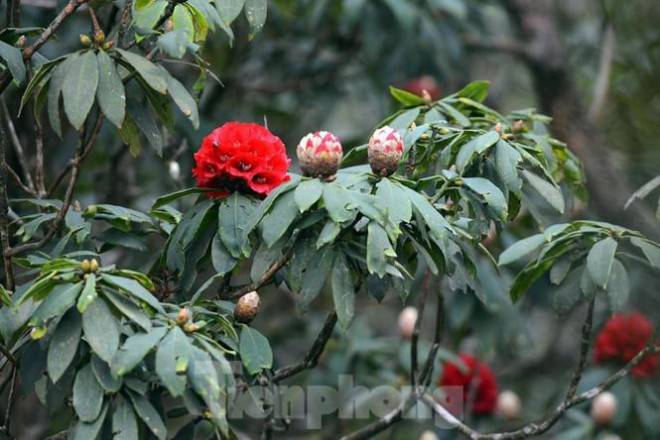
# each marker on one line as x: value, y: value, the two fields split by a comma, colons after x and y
x: 618, y: 287
x: 172, y: 360
x: 63, y: 345
x: 283, y: 213
x: 521, y: 248
x: 406, y: 98
x: 265, y: 258
x: 343, y: 291
x: 456, y: 115
x: 101, y: 329
x: 254, y: 350
x: 56, y: 304
x: 130, y: 135
x: 39, y: 78
x: 395, y: 201
x: 124, y: 422
x: 600, y: 260
x: 255, y: 13
x: 229, y: 9
x: 149, y: 415
x: 222, y: 260
x: 87, y: 395
x: 307, y: 193
x: 182, y: 99
x: 379, y: 249
x: 547, y: 190
x: 436, y: 223
x: 54, y: 91
x: 233, y: 215
x: 568, y: 294
x: 13, y: 58
x: 490, y: 193
x: 79, y: 87
x: 129, y: 309
x: 134, y: 289
x: 150, y: 72
x: 110, y: 93
x: 475, y: 147
x: 328, y: 234
x: 134, y: 349
x: 315, y: 275
x: 90, y: 431
x: 89, y: 293
x: 650, y: 250
x: 507, y: 160
x: 169, y: 198
x: 338, y: 202
x: 405, y: 119
x: 476, y: 90
x: 104, y: 375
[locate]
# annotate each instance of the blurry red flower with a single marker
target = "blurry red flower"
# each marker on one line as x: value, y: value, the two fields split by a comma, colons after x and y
x: 478, y: 382
x: 622, y: 338
x: 417, y: 87
x: 241, y: 157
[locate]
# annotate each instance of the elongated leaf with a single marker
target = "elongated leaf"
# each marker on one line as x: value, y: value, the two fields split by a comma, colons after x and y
x: 89, y: 293
x: 436, y: 223
x: 54, y: 92
x: 222, y: 260
x: 172, y: 360
x: 110, y: 93
x: 169, y: 198
x: 548, y: 191
x: 57, y: 303
x: 507, y: 160
x: 124, y: 422
x: 283, y: 213
x: 600, y: 260
x: 650, y: 250
x: 134, y: 350
x: 90, y: 431
x: 13, y: 58
x: 343, y: 291
x: 79, y: 87
x: 254, y: 350
x: 395, y: 200
x: 307, y: 193
x: 149, y: 415
x: 129, y: 309
x: 150, y: 72
x: 255, y: 13
x: 233, y: 215
x: 135, y: 289
x: 183, y: 100
x: 317, y: 270
x: 406, y: 98
x: 39, y: 77
x: 63, y: 345
x: 618, y: 287
x: 338, y: 203
x: 87, y: 395
x: 379, y: 250
x: 490, y: 193
x: 104, y: 375
x: 474, y: 148
x: 328, y: 234
x: 101, y: 329
x: 521, y: 248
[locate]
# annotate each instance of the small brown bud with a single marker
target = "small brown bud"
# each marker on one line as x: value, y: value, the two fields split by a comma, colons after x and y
x: 518, y: 126
x: 190, y: 328
x: 426, y: 96
x: 247, y: 307
x: 86, y: 265
x: 76, y: 206
x: 108, y: 45
x: 499, y: 128
x: 94, y: 265
x: 99, y: 36
x: 85, y: 40
x: 185, y: 315
x: 169, y: 25
x: 407, y: 320
x: 20, y: 42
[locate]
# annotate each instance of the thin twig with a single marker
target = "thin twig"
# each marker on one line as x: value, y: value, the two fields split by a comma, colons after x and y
x: 20, y: 183
x: 584, y: 351
x: 247, y: 288
x: 314, y: 354
x: 416, y: 329
x: 8, y: 354
x: 39, y: 171
x: 124, y: 22
x: 427, y: 370
x: 10, y: 398
x: 4, y: 214
x: 18, y: 147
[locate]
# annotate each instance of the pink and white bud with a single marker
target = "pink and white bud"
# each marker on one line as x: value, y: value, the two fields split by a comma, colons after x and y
x: 319, y: 154
x: 508, y: 405
x: 603, y: 408
x: 407, y: 320
x: 385, y: 151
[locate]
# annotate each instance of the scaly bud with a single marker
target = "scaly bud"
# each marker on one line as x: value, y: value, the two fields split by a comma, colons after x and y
x: 185, y: 315
x: 499, y: 128
x: 385, y: 151
x: 518, y: 126
x: 93, y: 265
x: 99, y: 36
x: 247, y: 307
x: 20, y: 42
x: 85, y: 40
x: 85, y: 266
x: 319, y: 154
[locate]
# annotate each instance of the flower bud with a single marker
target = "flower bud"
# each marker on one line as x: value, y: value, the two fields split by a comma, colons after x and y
x: 108, y: 45
x: 319, y: 154
x: 508, y: 405
x: 603, y: 408
x: 518, y: 126
x: 20, y: 42
x: 85, y: 40
x: 190, y: 328
x: 385, y: 151
x: 86, y: 265
x: 407, y: 320
x: 499, y: 128
x: 247, y: 307
x: 99, y: 36
x: 185, y: 315
x: 93, y: 265
x: 428, y: 435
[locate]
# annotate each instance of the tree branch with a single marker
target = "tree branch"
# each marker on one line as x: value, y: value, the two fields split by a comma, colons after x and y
x: 19, y: 182
x: 247, y: 288
x: 4, y: 213
x: 8, y: 354
x: 314, y: 354
x: 18, y: 148
x: 584, y: 351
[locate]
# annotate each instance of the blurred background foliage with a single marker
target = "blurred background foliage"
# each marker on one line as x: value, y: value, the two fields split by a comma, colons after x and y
x: 327, y: 64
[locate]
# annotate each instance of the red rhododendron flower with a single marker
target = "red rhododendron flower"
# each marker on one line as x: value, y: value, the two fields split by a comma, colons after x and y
x: 241, y: 157
x: 622, y: 338
x: 478, y: 382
